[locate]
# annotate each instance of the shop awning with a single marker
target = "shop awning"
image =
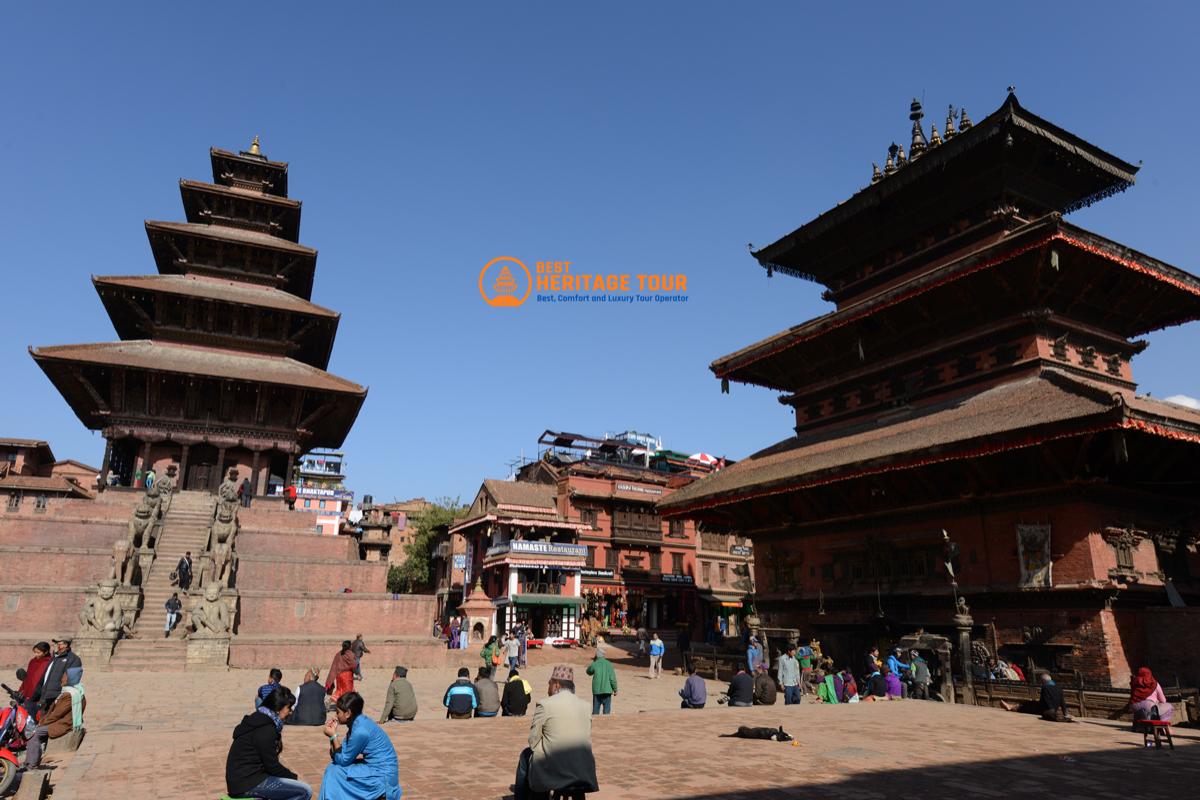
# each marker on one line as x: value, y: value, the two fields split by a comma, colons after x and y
x: 722, y: 599
x: 546, y: 600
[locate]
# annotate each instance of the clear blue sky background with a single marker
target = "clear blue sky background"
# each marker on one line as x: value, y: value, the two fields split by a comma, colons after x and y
x: 633, y: 137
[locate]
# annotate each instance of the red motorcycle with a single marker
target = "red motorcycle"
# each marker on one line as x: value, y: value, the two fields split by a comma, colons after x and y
x: 16, y: 726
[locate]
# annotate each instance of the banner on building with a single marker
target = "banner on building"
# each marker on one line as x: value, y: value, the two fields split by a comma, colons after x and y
x: 1033, y: 551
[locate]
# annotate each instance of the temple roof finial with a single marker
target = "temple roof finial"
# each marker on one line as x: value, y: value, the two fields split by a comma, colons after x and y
x: 919, y: 144
x: 876, y: 175
x: 964, y: 122
x: 254, y: 150
x: 889, y: 166
x: 935, y: 138
x: 901, y: 159
x: 950, y: 132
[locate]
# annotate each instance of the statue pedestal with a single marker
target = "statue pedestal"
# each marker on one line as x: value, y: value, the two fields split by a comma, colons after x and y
x: 145, y: 560
x: 207, y: 651
x: 130, y: 600
x: 963, y: 624
x: 94, y: 649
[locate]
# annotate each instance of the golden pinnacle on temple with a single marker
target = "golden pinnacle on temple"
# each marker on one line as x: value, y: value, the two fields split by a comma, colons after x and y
x: 950, y: 132
x: 964, y: 122
x: 254, y: 150
x: 918, y: 145
x: 876, y: 175
x: 901, y: 159
x: 889, y: 166
x: 934, y: 138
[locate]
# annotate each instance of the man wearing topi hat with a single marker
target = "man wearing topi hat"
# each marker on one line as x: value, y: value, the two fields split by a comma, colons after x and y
x: 560, y: 742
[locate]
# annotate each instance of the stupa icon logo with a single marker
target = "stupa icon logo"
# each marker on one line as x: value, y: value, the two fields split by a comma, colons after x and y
x: 500, y: 287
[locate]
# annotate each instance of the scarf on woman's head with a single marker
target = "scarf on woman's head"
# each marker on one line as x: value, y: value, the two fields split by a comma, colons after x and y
x: 273, y: 717
x: 1142, y: 685
x: 74, y: 689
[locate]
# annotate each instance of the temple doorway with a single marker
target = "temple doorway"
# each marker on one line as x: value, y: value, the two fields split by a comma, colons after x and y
x: 123, y: 460
x: 202, y: 469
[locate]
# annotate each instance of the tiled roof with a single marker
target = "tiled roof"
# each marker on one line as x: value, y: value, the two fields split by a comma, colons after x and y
x: 33, y: 483
x: 518, y: 493
x: 23, y: 443
x: 228, y: 234
x: 194, y: 359
x: 1048, y: 398
x: 217, y: 289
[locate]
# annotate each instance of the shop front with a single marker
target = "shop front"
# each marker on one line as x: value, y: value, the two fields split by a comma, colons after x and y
x: 723, y: 614
x: 550, y: 619
x: 660, y: 601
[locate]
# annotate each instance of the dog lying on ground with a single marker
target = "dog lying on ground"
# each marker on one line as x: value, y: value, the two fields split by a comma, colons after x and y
x: 746, y: 732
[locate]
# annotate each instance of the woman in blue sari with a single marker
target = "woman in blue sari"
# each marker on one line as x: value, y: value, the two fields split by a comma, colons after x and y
x: 373, y: 776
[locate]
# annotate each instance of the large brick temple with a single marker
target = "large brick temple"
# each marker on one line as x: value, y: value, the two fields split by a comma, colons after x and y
x: 222, y: 355
x: 975, y: 378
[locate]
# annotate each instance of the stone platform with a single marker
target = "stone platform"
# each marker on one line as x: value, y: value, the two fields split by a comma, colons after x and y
x: 647, y: 749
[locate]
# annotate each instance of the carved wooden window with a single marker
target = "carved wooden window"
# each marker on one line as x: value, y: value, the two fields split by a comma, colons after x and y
x: 675, y: 528
x: 656, y: 562
x: 723, y: 571
x: 588, y: 516
x: 610, y: 559
x: 591, y: 556
x: 677, y: 563
x: 1087, y: 356
x: 634, y: 562
x: 706, y: 573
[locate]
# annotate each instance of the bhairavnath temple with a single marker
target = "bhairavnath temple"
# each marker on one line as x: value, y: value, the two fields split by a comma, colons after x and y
x: 974, y: 377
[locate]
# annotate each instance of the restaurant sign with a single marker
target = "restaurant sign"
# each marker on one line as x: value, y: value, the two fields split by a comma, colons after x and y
x: 629, y: 487
x: 526, y: 547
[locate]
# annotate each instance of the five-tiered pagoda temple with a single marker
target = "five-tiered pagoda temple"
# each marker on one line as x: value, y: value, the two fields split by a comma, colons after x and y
x: 222, y: 355
x: 974, y: 378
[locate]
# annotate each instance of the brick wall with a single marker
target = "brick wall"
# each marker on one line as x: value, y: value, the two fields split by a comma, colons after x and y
x: 321, y: 614
x: 250, y: 651
x: 307, y: 575
x: 60, y: 533
x: 55, y: 566
x: 1173, y: 644
x: 296, y: 545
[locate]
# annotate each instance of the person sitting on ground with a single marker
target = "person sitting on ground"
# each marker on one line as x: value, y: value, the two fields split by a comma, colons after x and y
x: 252, y: 768
x: 918, y: 668
x: 1054, y: 704
x: 694, y: 691
x: 31, y: 684
x: 460, y: 699
x: 877, y: 688
x: 898, y: 668
x: 829, y: 689
x: 741, y: 689
x: 274, y: 678
x: 871, y: 663
x: 517, y: 695
x: 559, y: 755
x: 310, y: 701
x: 63, y: 717
x: 849, y: 690
x: 1146, y: 698
x: 487, y: 694
x: 764, y: 688
x: 895, y: 689
x: 401, y: 702
x: 376, y: 776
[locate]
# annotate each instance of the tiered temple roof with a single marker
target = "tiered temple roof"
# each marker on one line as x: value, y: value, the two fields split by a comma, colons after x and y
x: 223, y: 345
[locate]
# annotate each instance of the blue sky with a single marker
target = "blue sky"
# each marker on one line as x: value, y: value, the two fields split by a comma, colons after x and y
x: 628, y: 137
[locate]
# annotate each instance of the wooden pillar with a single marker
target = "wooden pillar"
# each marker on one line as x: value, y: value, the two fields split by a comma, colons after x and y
x: 104, y: 464
x: 254, y: 490
x: 220, y: 468
x: 287, y: 475
x: 181, y: 485
x: 145, y: 465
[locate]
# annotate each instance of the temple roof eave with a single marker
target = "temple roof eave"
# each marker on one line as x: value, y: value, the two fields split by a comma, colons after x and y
x: 219, y: 289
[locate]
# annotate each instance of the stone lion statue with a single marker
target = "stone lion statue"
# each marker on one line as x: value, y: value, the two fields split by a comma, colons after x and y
x: 102, y: 612
x: 141, y: 524
x: 222, y: 560
x: 123, y: 562
x: 225, y: 522
x: 211, y: 616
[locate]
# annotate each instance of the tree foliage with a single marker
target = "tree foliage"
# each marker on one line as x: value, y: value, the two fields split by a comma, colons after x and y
x: 416, y: 573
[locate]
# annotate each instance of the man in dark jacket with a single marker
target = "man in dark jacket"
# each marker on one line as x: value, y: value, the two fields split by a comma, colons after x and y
x: 183, y: 572
x: 517, y: 695
x: 460, y: 699
x: 764, y: 687
x: 310, y: 701
x: 63, y: 660
x: 252, y: 767
x: 741, y: 689
x: 1054, y: 705
x: 401, y: 703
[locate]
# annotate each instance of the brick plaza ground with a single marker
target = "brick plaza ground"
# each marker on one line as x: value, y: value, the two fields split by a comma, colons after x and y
x: 166, y: 736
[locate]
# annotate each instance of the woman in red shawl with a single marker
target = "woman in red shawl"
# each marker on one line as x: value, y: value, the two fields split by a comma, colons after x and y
x: 1145, y: 695
x: 341, y: 674
x: 31, y: 687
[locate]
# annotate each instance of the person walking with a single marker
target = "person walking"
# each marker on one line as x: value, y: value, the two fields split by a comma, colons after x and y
x: 490, y: 655
x: 173, y: 607
x: 918, y: 669
x: 245, y: 492
x: 340, y: 678
x: 359, y: 647
x: 401, y: 702
x: 289, y: 494
x: 657, y: 650
x: 512, y: 651
x: 604, y: 684
x: 523, y: 640
x: 183, y: 572
x: 789, y: 676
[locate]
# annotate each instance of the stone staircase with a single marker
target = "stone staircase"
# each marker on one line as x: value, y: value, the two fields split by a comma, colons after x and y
x: 184, y: 528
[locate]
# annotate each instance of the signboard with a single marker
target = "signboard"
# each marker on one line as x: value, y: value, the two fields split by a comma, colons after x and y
x: 629, y: 487
x: 678, y: 579
x: 590, y: 572
x: 525, y: 546
x: 740, y: 550
x: 312, y: 491
x: 460, y: 561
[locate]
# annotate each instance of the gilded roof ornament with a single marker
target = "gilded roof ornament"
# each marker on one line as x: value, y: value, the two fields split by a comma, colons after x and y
x: 254, y: 150
x: 889, y: 166
x: 876, y: 175
x: 901, y: 159
x: 950, y: 132
x: 918, y: 145
x: 964, y: 122
x: 934, y: 138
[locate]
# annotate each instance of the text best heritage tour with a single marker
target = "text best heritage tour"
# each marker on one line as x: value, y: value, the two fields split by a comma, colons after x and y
x: 556, y: 276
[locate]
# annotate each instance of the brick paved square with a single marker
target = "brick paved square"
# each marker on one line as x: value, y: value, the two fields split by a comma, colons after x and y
x: 166, y: 735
